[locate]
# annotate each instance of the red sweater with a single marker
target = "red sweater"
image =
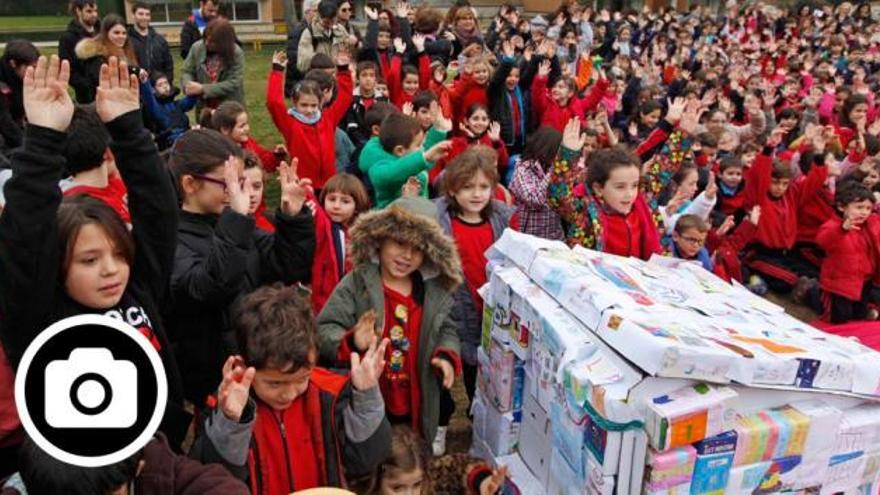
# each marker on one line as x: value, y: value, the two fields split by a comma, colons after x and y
x: 460, y: 144
x: 779, y: 216
x: 313, y: 144
x: 552, y: 114
x: 851, y: 256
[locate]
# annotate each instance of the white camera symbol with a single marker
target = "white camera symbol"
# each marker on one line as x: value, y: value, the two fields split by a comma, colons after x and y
x: 91, y: 390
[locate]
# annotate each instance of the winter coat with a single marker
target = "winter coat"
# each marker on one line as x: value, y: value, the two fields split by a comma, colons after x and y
x: 31, y: 295
x: 353, y: 437
x: 152, y: 52
x: 851, y: 256
x: 91, y: 54
x: 191, y: 32
x: 468, y: 319
x: 67, y: 51
x: 313, y: 144
x: 230, y: 82
x: 434, y: 285
x: 218, y: 260
x: 168, y: 114
x: 388, y: 173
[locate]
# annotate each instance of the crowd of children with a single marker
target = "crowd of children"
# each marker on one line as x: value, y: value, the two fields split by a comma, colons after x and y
x: 746, y: 140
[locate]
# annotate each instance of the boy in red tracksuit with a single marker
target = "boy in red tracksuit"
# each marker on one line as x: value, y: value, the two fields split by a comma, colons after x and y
x: 556, y: 106
x: 283, y: 424
x: 769, y: 186
x: 849, y: 271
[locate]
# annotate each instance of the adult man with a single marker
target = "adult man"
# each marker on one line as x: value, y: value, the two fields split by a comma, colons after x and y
x: 322, y: 36
x: 196, y: 24
x: 83, y: 25
x: 310, y: 8
x: 150, y: 47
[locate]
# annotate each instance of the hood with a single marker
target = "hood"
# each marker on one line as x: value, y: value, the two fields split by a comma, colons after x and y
x: 441, y: 259
x: 90, y: 47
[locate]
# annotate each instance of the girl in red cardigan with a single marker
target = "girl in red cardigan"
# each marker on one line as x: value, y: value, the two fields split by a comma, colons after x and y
x: 476, y: 128
x: 310, y: 131
x: 342, y: 200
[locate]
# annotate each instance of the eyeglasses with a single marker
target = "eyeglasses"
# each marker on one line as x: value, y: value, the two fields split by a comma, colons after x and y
x: 214, y: 180
x: 693, y: 241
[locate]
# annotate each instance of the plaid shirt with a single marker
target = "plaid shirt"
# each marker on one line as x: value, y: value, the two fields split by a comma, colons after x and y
x: 529, y: 187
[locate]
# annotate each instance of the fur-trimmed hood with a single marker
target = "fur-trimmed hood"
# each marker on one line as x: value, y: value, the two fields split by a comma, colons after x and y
x: 395, y: 222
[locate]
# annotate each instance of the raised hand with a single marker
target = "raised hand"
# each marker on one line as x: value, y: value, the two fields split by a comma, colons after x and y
x: 438, y: 151
x: 399, y: 45
x: 365, y: 330
x: 494, y: 131
x: 279, y: 57
x: 293, y: 189
x: 446, y: 371
x: 117, y: 91
x: 419, y: 42
x: 233, y: 394
x: 46, y: 101
x: 239, y: 200
x: 366, y: 371
x: 571, y: 135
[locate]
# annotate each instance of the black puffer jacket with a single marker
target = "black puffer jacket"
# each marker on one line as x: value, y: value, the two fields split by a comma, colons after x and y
x: 220, y: 259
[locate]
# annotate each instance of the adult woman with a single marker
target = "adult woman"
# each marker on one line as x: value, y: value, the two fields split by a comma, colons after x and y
x: 214, y: 67
x: 112, y: 40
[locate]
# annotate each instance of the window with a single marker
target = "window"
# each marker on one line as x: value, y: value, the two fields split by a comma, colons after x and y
x: 177, y: 11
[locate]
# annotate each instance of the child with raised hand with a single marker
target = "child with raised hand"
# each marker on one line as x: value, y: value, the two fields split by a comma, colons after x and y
x: 343, y: 198
x: 309, y: 131
x: 282, y: 423
x: 475, y: 221
x: 475, y: 129
x: 221, y: 254
x: 608, y: 211
x: 405, y: 274
x: 402, y: 150
x: 849, y: 273
x: 76, y: 256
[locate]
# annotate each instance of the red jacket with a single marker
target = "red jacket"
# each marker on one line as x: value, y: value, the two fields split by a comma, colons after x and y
x: 460, y: 144
x: 268, y: 159
x: 551, y: 114
x: 325, y: 268
x: 851, y: 256
x: 395, y: 79
x: 779, y: 217
x: 313, y: 144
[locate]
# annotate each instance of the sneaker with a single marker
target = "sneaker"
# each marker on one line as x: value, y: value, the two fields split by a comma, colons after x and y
x: 757, y: 285
x: 439, y: 445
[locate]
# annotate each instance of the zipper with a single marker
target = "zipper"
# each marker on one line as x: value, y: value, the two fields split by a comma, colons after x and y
x: 286, y: 450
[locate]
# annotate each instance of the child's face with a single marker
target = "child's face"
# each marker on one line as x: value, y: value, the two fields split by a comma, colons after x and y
x: 98, y: 272
x: 475, y: 194
x: 478, y: 122
x: 241, y: 130
x: 560, y: 92
x: 512, y: 79
x: 383, y: 41
x: 426, y: 120
x: 688, y: 186
x: 732, y: 176
x: 872, y: 179
x: 307, y: 104
x: 255, y: 188
x: 163, y: 87
x: 778, y: 187
x: 410, y: 84
x: 481, y: 73
x: 399, y: 261
x: 397, y: 482
x: 857, y: 212
x: 279, y: 389
x: 339, y: 207
x: 689, y: 242
x: 619, y: 192
x: 367, y: 81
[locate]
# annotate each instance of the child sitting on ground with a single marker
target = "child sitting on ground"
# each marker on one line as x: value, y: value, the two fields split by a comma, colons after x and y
x: 282, y: 423
x: 401, y: 288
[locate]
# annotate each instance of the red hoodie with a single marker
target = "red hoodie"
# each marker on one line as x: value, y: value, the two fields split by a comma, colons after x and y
x: 779, y: 217
x: 552, y: 114
x: 313, y: 144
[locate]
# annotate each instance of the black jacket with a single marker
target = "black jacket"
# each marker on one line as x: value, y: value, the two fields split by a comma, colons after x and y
x: 152, y: 53
x: 31, y: 295
x: 67, y: 51
x: 218, y: 260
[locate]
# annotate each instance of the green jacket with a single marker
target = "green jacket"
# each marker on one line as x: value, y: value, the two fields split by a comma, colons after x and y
x: 389, y: 173
x: 362, y: 290
x: 230, y: 83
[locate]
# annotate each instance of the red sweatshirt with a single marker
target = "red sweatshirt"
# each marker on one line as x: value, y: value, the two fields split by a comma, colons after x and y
x: 779, y: 216
x: 313, y: 144
x: 552, y: 114
x: 460, y: 144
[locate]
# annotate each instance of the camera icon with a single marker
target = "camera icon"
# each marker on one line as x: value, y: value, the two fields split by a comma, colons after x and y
x: 91, y: 390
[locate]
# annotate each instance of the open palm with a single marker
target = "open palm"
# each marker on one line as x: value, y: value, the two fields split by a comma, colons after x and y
x: 46, y: 101
x: 117, y: 91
